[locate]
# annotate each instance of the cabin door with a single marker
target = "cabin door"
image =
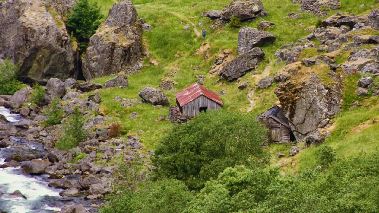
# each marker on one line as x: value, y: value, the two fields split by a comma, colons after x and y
x: 203, y: 109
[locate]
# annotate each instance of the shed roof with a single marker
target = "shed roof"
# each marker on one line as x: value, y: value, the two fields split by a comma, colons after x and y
x: 277, y: 114
x: 194, y: 91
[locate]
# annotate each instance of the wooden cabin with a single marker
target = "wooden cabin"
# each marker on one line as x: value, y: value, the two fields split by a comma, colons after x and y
x: 278, y: 125
x: 195, y: 99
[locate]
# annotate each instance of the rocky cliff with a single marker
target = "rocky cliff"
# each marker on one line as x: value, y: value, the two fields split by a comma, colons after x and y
x: 117, y: 45
x: 34, y: 36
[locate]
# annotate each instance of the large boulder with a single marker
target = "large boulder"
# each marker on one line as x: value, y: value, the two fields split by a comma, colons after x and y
x: 248, y: 38
x: 35, y: 166
x: 120, y: 81
x: 36, y: 39
x: 20, y: 97
x: 242, y: 64
x: 55, y: 88
x: 309, y: 100
x: 153, y: 96
x: 244, y: 10
x: 374, y: 19
x: 117, y: 44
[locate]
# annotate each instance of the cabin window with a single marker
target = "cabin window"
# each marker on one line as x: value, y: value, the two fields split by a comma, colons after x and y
x: 203, y: 109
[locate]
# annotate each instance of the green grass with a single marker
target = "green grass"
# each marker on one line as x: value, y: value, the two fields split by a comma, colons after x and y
x: 356, y: 132
x: 175, y: 50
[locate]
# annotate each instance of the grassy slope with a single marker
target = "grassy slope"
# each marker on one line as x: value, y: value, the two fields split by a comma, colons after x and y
x: 175, y: 49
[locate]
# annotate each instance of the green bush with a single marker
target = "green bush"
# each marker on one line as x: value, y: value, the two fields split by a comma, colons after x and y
x: 326, y: 156
x: 8, y: 78
x: 202, y: 148
x: 54, y: 113
x: 163, y: 196
x: 346, y: 186
x: 236, y: 189
x: 73, y: 132
x: 83, y: 21
x: 38, y: 94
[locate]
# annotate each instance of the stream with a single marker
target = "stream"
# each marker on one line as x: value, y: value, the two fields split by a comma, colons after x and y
x: 38, y: 197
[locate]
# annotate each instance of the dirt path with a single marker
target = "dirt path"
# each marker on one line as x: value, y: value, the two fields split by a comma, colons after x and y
x: 251, y: 94
x: 185, y: 19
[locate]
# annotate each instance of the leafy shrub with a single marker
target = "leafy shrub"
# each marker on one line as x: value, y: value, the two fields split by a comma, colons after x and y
x: 8, y: 78
x: 326, y: 156
x: 114, y: 130
x: 236, y: 189
x: 202, y: 148
x: 165, y: 196
x: 73, y: 133
x: 54, y: 113
x: 38, y: 94
x: 346, y: 186
x: 83, y: 21
x: 235, y: 22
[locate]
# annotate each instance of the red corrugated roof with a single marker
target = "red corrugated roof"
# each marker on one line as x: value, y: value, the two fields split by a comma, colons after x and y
x: 194, y: 91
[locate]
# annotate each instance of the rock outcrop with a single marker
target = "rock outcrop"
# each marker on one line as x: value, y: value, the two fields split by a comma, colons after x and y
x: 309, y: 100
x: 242, y: 64
x: 248, y: 38
x: 117, y: 44
x: 36, y: 39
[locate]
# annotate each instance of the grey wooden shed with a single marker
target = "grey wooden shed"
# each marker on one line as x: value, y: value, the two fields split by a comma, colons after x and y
x: 195, y: 99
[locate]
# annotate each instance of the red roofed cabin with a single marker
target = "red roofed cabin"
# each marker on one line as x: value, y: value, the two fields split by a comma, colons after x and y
x: 195, y: 99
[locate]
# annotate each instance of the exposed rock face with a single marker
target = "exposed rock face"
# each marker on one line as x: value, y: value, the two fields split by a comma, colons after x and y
x: 242, y: 64
x: 117, y: 44
x: 374, y: 19
x: 35, y: 39
x: 244, y: 10
x: 319, y: 6
x: 249, y: 38
x: 308, y: 101
x: 153, y: 96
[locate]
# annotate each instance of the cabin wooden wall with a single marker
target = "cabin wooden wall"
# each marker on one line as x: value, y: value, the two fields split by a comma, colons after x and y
x: 193, y: 108
x: 278, y: 132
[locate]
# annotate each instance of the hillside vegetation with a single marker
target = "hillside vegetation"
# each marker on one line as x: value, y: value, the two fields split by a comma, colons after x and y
x: 308, y: 181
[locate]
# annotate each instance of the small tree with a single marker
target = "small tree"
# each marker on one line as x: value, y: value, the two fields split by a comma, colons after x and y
x: 54, y: 113
x: 38, y: 94
x: 199, y: 150
x: 73, y: 132
x: 83, y: 21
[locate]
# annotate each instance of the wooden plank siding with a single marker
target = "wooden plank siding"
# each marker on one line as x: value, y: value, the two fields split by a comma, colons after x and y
x: 193, y: 108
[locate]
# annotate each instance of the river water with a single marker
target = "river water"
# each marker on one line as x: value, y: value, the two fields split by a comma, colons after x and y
x: 39, y: 197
